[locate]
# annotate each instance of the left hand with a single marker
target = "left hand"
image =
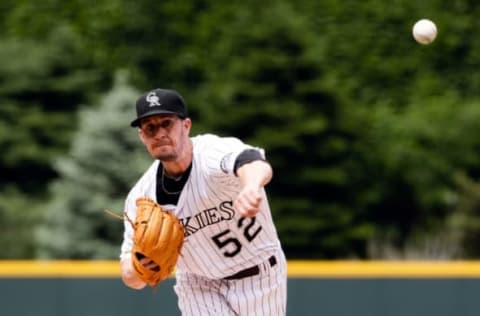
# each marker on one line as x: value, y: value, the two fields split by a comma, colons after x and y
x: 149, y: 264
x: 248, y: 201
x: 129, y: 277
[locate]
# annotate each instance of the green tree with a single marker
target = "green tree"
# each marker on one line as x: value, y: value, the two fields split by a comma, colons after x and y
x: 42, y: 85
x: 104, y: 159
x: 39, y: 96
x: 415, y: 157
x: 367, y: 130
x: 336, y: 92
x: 267, y: 84
x: 19, y: 213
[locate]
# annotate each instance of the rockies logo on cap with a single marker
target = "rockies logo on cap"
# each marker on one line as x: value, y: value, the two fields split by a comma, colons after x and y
x: 152, y: 99
x: 159, y: 101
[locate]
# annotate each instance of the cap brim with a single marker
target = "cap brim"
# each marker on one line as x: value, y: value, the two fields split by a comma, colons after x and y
x: 136, y: 122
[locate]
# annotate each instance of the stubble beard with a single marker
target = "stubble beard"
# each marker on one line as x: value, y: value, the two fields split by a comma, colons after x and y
x: 166, y: 156
x: 173, y: 153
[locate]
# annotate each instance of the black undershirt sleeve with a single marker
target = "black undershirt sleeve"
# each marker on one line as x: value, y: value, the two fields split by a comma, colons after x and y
x: 246, y: 156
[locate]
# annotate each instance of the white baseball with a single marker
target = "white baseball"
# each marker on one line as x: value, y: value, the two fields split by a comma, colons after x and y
x: 424, y: 31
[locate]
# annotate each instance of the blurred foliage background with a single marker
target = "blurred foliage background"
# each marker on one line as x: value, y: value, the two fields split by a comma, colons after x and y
x: 373, y: 137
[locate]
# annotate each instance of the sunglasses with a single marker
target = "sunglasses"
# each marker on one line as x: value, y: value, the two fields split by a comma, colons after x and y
x: 150, y: 129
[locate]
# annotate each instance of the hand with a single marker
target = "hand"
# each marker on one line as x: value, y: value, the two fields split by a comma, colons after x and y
x: 248, y: 201
x: 128, y: 275
x: 149, y: 264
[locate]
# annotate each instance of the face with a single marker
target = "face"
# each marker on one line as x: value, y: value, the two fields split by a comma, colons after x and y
x: 165, y: 136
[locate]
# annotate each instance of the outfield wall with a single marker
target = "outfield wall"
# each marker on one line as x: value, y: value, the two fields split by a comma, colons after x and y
x: 332, y: 288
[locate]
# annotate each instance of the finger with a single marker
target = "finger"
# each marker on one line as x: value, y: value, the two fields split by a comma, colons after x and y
x: 250, y: 213
x: 250, y: 199
x: 247, y: 210
x: 148, y: 263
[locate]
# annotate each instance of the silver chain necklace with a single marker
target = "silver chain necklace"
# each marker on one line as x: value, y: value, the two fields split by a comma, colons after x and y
x: 162, y: 183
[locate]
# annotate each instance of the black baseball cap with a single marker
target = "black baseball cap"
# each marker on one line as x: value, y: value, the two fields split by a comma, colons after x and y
x: 159, y: 101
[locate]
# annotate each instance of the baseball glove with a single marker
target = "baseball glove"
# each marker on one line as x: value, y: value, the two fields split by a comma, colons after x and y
x: 158, y: 236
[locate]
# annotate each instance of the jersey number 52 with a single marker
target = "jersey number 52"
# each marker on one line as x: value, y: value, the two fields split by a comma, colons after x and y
x: 226, y: 238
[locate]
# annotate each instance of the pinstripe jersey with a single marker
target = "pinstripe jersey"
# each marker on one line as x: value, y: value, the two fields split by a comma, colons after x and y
x: 218, y: 241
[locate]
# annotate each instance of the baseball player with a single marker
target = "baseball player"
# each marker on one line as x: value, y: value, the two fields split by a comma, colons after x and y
x: 231, y: 262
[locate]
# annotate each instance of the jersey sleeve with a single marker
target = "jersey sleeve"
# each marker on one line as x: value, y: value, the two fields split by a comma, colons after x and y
x: 222, y: 152
x: 144, y: 187
x: 127, y: 244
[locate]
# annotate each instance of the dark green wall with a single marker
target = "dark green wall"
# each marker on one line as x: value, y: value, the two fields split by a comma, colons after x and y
x: 83, y: 297
x: 323, y: 297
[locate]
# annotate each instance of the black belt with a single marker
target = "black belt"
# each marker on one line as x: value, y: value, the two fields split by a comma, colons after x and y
x: 250, y: 271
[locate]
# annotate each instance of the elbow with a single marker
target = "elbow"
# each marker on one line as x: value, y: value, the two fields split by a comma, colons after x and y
x: 267, y: 172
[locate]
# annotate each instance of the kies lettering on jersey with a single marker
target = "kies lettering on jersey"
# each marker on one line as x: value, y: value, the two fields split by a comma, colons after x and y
x: 210, y: 216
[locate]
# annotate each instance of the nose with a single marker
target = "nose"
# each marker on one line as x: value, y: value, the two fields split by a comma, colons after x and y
x: 159, y: 131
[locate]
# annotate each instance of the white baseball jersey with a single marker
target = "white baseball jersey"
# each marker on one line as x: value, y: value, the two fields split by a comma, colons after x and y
x: 218, y: 242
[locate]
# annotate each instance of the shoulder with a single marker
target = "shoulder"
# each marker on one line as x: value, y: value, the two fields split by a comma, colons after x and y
x: 142, y: 186
x: 211, y: 141
x: 218, y: 153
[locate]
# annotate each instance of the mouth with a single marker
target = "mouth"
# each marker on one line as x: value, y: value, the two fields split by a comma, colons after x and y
x: 162, y: 144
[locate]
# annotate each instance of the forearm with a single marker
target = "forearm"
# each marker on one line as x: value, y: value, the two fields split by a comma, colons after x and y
x: 129, y: 277
x: 257, y: 173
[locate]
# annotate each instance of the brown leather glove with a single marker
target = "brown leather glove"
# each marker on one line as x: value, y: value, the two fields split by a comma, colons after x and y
x: 158, y: 236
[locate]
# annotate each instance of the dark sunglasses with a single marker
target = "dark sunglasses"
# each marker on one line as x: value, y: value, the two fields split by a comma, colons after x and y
x: 150, y: 129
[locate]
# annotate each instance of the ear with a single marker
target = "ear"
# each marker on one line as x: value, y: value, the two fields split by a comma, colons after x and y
x: 141, y: 136
x: 187, y: 124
